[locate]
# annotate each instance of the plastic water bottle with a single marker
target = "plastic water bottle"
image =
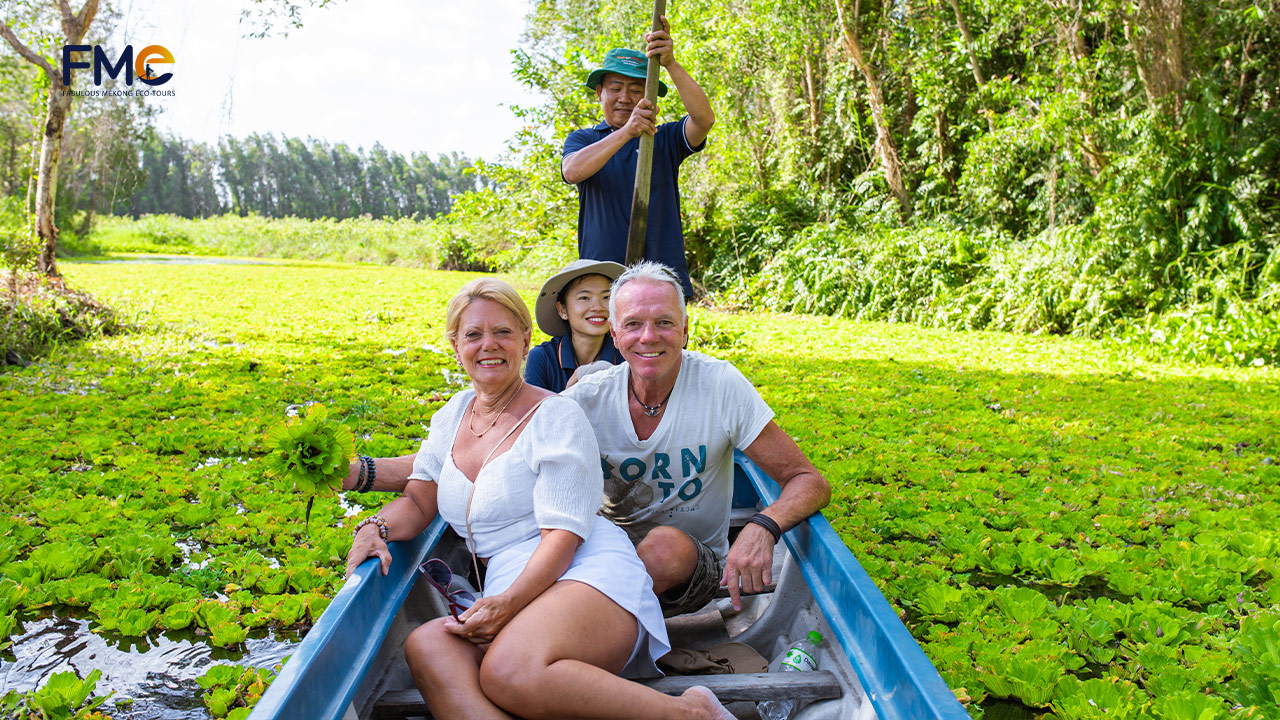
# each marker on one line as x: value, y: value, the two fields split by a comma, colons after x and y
x: 800, y: 657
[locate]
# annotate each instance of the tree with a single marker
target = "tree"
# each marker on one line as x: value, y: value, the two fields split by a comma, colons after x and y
x: 74, y: 27
x: 885, y: 146
x: 1155, y: 32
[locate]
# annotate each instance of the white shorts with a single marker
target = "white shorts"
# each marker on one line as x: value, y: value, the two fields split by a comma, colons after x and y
x: 607, y: 561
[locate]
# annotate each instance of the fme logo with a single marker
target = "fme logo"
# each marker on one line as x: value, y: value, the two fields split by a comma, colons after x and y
x: 139, y: 66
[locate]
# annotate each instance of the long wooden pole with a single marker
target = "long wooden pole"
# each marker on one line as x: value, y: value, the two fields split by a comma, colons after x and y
x: 644, y: 163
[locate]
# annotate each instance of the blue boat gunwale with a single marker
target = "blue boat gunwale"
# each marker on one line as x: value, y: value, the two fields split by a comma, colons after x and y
x: 899, y: 679
x: 323, y: 675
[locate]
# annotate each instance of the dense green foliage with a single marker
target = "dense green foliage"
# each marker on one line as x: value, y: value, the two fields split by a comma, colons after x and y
x: 1067, y: 167
x: 232, y: 690
x: 1057, y: 526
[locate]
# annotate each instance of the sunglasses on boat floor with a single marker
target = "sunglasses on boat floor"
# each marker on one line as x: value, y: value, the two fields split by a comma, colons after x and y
x: 440, y: 575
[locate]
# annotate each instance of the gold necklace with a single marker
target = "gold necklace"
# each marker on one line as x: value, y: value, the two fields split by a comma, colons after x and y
x: 472, y: 418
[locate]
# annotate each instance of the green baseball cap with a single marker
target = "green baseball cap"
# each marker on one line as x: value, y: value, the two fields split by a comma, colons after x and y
x: 624, y: 62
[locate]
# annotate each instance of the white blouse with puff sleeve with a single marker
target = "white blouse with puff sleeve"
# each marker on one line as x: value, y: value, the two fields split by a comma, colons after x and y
x: 549, y: 479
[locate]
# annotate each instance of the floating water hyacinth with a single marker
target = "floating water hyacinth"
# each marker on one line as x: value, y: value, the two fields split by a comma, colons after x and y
x: 313, y: 453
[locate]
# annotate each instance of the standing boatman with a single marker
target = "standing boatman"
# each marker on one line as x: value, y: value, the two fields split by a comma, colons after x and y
x: 601, y: 160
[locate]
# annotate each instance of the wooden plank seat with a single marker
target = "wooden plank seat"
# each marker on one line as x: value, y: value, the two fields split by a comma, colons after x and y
x: 754, y: 687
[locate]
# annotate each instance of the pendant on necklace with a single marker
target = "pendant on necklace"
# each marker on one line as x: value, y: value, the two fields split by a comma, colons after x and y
x: 649, y: 410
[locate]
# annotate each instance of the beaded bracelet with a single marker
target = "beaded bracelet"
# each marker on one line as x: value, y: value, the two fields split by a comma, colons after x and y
x: 374, y: 520
x: 369, y: 473
x: 359, y: 475
x: 767, y: 523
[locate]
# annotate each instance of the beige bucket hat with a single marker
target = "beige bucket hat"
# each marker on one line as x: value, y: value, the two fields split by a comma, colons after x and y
x: 544, y: 309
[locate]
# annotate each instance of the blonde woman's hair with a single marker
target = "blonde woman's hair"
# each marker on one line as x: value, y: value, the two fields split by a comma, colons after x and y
x: 485, y: 289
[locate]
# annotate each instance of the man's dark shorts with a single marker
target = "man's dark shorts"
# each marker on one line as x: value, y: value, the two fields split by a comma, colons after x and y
x: 700, y: 589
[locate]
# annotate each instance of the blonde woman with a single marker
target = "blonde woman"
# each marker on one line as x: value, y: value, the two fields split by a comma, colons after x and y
x: 567, y: 605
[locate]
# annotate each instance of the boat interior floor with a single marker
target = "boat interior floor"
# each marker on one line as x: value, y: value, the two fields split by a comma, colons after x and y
x: 768, y: 632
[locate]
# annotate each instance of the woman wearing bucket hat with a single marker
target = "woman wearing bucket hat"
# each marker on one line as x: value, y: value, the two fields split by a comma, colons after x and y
x: 573, y: 308
x: 601, y: 160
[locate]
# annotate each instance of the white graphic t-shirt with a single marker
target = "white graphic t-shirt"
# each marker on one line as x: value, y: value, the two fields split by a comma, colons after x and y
x: 682, y: 475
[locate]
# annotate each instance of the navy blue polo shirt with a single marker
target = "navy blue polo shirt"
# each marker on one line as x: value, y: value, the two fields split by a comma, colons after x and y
x: 551, y: 363
x: 604, y: 199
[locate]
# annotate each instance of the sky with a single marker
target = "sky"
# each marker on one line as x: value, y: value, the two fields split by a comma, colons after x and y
x: 415, y: 75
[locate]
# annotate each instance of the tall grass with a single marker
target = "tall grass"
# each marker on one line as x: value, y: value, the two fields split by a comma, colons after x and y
x: 403, y: 242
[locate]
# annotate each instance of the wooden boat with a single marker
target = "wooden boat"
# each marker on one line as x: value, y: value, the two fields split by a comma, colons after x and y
x: 351, y: 664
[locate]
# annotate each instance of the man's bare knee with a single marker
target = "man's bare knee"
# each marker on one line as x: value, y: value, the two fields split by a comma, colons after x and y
x: 669, y: 555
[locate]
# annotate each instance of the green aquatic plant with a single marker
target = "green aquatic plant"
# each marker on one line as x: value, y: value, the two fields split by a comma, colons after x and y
x: 136, y: 622
x: 227, y: 634
x: 61, y: 560
x: 65, y: 696
x: 316, y: 603
x: 285, y: 609
x: 1028, y: 672
x: 80, y: 591
x: 212, y: 612
x: 313, y: 453
x: 8, y: 623
x: 231, y: 690
x: 273, y: 582
x: 1022, y: 605
x: 1189, y: 705
x: 179, y: 615
x: 1098, y: 699
x: 1256, y: 684
x: 11, y: 594
x: 947, y: 603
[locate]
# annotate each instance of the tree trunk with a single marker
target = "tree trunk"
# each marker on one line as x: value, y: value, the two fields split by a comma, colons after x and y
x: 1154, y: 32
x: 973, y: 58
x: 47, y: 185
x: 811, y: 95
x: 1071, y: 37
x: 968, y: 44
x: 888, y: 152
x: 74, y: 27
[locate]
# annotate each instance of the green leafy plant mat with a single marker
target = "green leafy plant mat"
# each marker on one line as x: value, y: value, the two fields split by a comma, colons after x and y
x: 1065, y: 533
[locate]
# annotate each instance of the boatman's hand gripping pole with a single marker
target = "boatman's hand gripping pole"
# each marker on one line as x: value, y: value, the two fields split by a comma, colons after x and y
x: 644, y: 164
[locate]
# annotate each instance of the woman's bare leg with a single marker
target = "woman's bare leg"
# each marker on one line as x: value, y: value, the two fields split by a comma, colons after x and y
x: 446, y: 669
x: 559, y: 658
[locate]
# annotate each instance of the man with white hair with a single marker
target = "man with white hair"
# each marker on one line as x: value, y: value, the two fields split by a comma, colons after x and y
x: 667, y: 422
